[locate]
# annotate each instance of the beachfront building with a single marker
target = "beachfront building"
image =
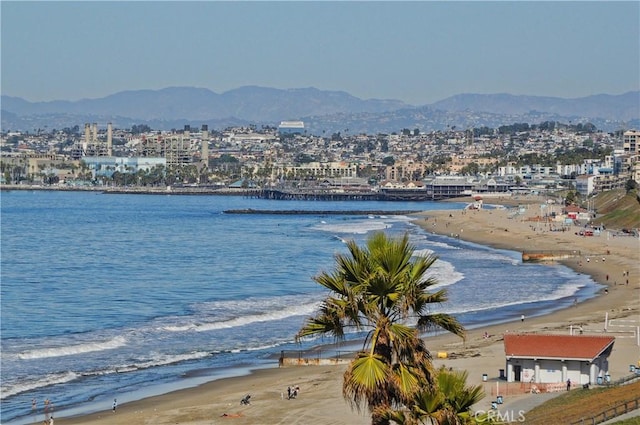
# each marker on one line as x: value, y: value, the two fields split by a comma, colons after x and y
x: 554, y: 359
x: 442, y: 187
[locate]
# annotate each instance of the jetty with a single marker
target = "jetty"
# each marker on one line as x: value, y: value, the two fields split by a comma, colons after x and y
x: 542, y: 256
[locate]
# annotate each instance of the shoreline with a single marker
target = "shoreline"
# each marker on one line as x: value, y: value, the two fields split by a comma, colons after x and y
x: 321, y: 401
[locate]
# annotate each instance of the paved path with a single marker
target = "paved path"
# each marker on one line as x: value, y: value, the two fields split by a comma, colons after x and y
x: 515, y: 407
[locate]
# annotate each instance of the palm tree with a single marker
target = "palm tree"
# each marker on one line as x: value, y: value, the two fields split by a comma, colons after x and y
x: 447, y: 403
x: 382, y: 288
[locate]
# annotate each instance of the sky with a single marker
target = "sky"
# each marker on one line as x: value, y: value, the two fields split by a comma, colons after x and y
x: 418, y: 51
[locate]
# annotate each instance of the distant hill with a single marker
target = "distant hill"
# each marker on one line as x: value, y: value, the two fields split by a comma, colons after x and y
x: 249, y: 103
x: 323, y: 111
x: 622, y: 107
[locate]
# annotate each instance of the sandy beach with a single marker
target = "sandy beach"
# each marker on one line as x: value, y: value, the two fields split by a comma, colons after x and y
x: 611, y: 261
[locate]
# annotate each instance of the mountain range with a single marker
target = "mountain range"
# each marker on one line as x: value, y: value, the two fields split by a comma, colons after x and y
x: 322, y: 111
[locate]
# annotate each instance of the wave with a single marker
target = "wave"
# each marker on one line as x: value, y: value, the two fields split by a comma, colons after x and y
x: 442, y: 245
x: 445, y: 273
x: 483, y: 252
x: 339, y: 238
x: 162, y: 360
x: 12, y: 389
x: 278, y: 313
x: 357, y: 227
x: 560, y: 293
x: 71, y: 350
x: 25, y: 385
x: 423, y: 252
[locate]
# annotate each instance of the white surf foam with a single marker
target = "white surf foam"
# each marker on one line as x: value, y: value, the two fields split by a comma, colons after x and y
x: 445, y: 273
x: 11, y: 389
x: 71, y: 350
x: 560, y: 293
x: 279, y: 312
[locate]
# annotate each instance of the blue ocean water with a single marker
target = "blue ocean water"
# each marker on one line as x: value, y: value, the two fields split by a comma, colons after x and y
x: 106, y: 296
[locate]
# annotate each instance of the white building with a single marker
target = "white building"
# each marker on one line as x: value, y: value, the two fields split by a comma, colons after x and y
x: 291, y: 127
x: 585, y: 185
x: 107, y: 165
x: 554, y: 359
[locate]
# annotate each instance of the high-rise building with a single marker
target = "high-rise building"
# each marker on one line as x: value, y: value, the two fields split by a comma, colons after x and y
x: 631, y: 142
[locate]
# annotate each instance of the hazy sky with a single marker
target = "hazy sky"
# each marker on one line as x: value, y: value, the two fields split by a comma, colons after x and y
x: 418, y: 52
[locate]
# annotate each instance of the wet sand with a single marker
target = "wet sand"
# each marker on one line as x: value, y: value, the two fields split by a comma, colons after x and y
x: 320, y: 400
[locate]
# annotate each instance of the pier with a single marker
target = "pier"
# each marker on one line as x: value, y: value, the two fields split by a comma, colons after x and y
x: 319, y: 195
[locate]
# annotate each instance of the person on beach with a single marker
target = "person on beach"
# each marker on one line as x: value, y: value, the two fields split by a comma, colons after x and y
x: 522, y: 318
x: 115, y: 405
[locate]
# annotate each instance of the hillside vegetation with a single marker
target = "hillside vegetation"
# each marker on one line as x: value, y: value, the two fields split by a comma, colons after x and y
x: 618, y: 209
x: 581, y: 404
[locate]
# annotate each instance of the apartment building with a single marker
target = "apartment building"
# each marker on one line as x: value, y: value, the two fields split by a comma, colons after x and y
x: 631, y: 142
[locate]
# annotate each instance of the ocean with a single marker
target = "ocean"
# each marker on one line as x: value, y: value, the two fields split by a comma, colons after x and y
x: 109, y: 296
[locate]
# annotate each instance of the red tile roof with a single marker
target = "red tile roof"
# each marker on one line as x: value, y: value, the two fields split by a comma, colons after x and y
x: 581, y: 347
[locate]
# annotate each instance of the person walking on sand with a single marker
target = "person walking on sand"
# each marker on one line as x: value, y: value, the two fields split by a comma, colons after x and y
x: 115, y: 405
x: 522, y: 318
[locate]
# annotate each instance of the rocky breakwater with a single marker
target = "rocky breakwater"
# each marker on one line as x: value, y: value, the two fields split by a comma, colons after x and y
x: 548, y: 256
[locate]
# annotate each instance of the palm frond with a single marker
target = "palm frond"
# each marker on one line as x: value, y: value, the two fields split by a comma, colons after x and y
x: 365, y: 379
x: 443, y: 321
x: 406, y: 380
x: 321, y: 325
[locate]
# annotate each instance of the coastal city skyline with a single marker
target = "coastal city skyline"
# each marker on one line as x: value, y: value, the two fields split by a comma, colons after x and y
x: 319, y: 212
x: 416, y: 52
